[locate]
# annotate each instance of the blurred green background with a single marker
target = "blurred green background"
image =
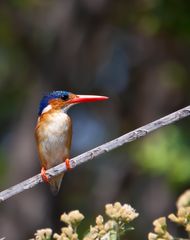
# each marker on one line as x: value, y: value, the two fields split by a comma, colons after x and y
x: 137, y: 53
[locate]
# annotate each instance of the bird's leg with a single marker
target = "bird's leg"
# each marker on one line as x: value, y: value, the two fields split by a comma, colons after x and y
x: 67, y: 163
x: 44, y: 176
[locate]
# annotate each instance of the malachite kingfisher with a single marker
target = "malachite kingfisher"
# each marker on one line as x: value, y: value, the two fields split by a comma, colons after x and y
x: 54, y: 131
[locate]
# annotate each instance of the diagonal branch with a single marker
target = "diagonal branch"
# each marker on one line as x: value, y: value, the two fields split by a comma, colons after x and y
x: 126, y: 138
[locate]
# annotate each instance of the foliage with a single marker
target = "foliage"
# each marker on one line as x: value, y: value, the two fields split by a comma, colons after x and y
x: 158, y: 152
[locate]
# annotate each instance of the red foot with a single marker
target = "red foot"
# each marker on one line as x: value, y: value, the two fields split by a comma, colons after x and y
x: 44, y: 176
x: 67, y: 162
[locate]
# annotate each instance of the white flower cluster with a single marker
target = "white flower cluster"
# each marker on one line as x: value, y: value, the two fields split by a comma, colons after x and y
x: 100, y: 229
x: 72, y: 218
x: 182, y: 218
x: 42, y: 234
x: 120, y: 216
x: 183, y: 211
x: 160, y: 230
x: 67, y: 233
x: 121, y: 212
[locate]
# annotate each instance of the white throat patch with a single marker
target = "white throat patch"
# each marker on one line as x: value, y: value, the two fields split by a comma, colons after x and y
x: 46, y: 109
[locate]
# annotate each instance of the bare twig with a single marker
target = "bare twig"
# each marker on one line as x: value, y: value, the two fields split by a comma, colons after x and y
x: 129, y: 137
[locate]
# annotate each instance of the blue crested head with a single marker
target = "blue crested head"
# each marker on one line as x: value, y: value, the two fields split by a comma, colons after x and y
x: 64, y: 95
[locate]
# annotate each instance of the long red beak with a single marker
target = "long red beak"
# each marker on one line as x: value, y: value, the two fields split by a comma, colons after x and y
x: 87, y: 98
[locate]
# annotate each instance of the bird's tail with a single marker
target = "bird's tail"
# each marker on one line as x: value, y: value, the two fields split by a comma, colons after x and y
x: 55, y: 183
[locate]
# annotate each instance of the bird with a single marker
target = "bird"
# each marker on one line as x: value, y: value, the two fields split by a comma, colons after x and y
x: 53, y: 131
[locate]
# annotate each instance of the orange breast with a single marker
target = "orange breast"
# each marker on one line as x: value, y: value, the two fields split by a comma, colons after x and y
x: 53, y: 137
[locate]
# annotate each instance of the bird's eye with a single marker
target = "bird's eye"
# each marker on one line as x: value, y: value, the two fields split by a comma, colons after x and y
x: 65, y: 97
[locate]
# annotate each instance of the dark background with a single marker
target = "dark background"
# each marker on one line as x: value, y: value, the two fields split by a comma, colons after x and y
x: 137, y: 53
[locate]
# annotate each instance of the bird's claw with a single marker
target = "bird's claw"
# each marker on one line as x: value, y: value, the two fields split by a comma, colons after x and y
x: 44, y: 175
x: 67, y: 163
